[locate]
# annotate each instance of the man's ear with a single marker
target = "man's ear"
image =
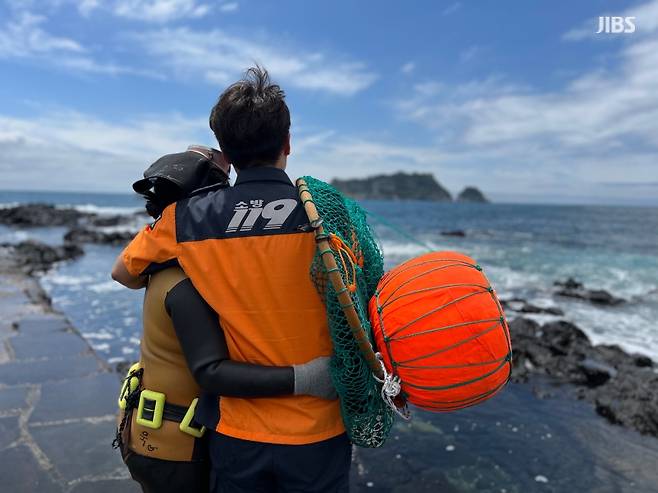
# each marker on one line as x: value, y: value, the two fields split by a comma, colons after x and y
x: 286, y: 146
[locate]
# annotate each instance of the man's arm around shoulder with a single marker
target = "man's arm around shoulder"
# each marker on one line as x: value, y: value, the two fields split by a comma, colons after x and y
x: 121, y: 275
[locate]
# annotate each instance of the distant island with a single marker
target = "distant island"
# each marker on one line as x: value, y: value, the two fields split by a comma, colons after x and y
x: 472, y: 194
x: 404, y: 186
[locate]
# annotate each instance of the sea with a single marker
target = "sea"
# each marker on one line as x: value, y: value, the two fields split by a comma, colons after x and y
x: 516, y: 442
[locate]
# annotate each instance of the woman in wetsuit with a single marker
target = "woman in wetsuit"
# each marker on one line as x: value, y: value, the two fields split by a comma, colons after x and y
x: 184, y: 362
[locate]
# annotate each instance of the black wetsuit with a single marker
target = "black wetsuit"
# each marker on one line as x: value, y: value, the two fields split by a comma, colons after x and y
x: 316, y: 467
x: 204, y: 346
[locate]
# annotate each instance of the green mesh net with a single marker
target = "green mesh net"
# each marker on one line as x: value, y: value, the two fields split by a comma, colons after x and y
x: 368, y: 419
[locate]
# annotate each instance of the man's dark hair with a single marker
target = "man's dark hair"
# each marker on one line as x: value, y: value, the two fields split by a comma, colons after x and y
x: 251, y: 120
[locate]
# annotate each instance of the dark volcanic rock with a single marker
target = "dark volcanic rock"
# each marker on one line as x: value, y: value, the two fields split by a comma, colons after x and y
x: 32, y: 215
x: 570, y: 283
x: 473, y: 195
x: 522, y: 306
x: 457, y: 233
x: 33, y: 256
x: 400, y: 186
x: 595, y: 372
x: 114, y: 220
x: 39, y: 215
x: 621, y: 386
x: 574, y: 289
x: 80, y: 235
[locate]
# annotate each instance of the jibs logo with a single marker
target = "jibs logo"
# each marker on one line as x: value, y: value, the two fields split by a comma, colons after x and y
x: 616, y: 25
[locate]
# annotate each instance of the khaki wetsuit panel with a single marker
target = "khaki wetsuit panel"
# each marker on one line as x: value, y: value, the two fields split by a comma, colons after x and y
x: 166, y: 371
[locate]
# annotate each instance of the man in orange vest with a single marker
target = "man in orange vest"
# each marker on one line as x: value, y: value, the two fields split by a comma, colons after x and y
x: 247, y: 250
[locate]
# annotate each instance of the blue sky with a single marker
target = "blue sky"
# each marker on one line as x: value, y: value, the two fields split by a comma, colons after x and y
x: 520, y: 98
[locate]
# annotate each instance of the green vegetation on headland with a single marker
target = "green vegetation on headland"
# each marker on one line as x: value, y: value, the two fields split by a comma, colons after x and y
x: 404, y: 186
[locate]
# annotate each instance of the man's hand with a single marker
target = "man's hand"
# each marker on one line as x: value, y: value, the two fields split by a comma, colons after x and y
x: 121, y: 275
x: 313, y: 378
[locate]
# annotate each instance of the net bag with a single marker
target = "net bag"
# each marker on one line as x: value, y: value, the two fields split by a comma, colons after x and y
x: 441, y: 331
x: 345, y: 271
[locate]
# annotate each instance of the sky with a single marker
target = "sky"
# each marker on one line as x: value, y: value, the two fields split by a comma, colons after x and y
x: 519, y: 98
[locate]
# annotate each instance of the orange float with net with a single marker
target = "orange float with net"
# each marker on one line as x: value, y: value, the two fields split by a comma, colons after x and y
x: 441, y: 333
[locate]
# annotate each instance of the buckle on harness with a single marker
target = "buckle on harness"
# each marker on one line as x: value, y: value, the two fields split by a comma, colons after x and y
x: 150, y: 409
x: 130, y: 384
x: 187, y: 420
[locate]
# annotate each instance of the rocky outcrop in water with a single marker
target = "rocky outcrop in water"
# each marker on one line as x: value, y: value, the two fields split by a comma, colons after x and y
x: 522, y: 306
x: 33, y: 256
x: 574, y: 289
x: 83, y: 225
x: 458, y: 233
x: 30, y: 215
x: 46, y: 215
x: 621, y: 386
x: 472, y: 195
x: 80, y: 235
x: 399, y: 186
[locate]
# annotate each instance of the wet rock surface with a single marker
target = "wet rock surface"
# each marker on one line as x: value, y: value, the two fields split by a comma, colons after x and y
x: 574, y: 289
x: 30, y: 215
x: 80, y: 235
x: 46, y: 215
x: 57, y: 397
x: 456, y: 233
x: 522, y: 306
x: 84, y: 227
x: 33, y: 256
x: 621, y: 386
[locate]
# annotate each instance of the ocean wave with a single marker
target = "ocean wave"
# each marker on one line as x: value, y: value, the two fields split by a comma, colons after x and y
x: 98, y: 335
x: 66, y: 280
x: 105, y: 287
x: 103, y: 347
x: 100, y: 210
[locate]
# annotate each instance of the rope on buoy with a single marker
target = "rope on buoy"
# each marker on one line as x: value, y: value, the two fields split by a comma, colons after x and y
x: 391, y: 388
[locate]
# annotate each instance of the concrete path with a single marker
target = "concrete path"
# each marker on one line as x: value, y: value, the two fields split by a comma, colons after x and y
x: 57, y: 400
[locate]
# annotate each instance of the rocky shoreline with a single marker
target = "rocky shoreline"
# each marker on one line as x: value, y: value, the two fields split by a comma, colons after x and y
x: 621, y: 386
x: 82, y: 228
x: 57, y: 396
x: 618, y: 385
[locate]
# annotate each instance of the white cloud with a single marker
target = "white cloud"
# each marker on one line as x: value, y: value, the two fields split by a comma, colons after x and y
x: 408, y: 68
x: 452, y: 8
x: 23, y: 36
x: 68, y: 150
x: 218, y: 57
x: 159, y: 10
x: 211, y: 56
x: 469, y: 54
x: 229, y: 7
x: 87, y: 6
x: 600, y: 127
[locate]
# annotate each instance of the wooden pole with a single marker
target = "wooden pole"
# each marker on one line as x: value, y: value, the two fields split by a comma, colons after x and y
x: 336, y: 280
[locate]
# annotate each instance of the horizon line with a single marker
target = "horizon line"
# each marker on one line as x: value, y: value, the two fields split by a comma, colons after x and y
x: 503, y: 199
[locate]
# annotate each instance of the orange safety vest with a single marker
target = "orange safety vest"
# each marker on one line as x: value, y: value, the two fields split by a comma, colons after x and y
x: 248, y: 250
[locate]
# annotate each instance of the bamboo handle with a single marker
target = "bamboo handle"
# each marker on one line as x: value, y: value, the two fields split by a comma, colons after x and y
x: 342, y: 292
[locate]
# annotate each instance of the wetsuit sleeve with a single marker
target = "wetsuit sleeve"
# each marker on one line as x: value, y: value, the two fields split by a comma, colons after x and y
x: 204, y: 345
x: 155, y: 245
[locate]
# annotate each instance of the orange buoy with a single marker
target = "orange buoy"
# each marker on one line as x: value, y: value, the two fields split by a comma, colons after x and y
x: 439, y: 327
